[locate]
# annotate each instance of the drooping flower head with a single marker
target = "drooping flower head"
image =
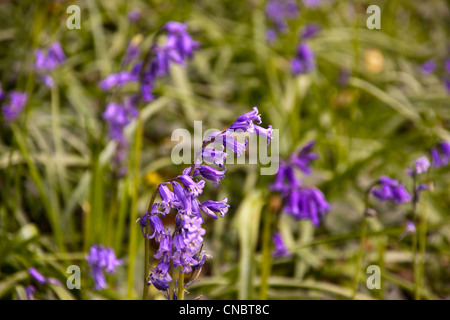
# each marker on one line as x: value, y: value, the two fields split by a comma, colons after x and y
x: 280, y: 249
x: 101, y: 259
x: 301, y: 202
x: 183, y: 247
x: 307, y: 203
x: 47, y: 60
x: 391, y: 190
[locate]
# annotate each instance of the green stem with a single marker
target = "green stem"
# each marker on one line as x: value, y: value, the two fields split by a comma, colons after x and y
x: 360, y: 256
x: 414, y: 238
x: 171, y: 284
x: 147, y: 247
x: 181, y: 286
x: 422, y: 249
x: 362, y: 240
x: 266, y: 266
x: 147, y: 261
x: 132, y: 245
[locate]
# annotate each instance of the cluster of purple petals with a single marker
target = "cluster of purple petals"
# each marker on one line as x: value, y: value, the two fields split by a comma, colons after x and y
x: 300, y: 202
x: 304, y: 60
x: 13, y: 106
x: 183, y: 246
x: 118, y: 116
x: 47, y: 60
x: 101, y: 259
x: 179, y: 46
x: 41, y: 280
x: 440, y: 155
x: 389, y: 189
x: 278, y: 11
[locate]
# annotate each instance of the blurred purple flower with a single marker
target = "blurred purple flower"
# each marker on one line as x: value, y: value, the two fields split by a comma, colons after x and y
x: 304, y: 156
x: 37, y: 276
x: 12, y: 109
x: 440, y: 155
x: 278, y: 11
x: 391, y: 190
x: 29, y: 292
x: 134, y: 15
x: 304, y: 60
x: 428, y: 67
x: 101, y: 259
x: 307, y: 203
x: 421, y: 165
x: 310, y: 30
x: 280, y: 249
x: 47, y: 60
x: 410, y: 228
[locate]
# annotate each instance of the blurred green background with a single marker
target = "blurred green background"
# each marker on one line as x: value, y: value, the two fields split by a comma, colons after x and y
x: 59, y: 194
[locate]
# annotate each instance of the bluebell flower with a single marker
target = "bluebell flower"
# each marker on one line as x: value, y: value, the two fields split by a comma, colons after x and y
x: 307, y: 203
x: 101, y: 259
x: 13, y: 108
x: 440, y: 155
x: 47, y: 60
x: 37, y: 275
x: 195, y: 188
x: 29, y: 292
x: 304, y: 156
x: 213, y: 155
x: 304, y: 60
x: 207, y: 172
x: 278, y: 11
x: 211, y: 207
x: 391, y: 190
x: 428, y: 67
x: 410, y: 228
x: 160, y: 277
x: 134, y: 15
x: 183, y: 247
x: 280, y: 249
x: 421, y: 165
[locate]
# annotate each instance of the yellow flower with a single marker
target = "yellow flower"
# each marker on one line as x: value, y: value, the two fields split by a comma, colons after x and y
x: 374, y: 60
x: 153, y: 178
